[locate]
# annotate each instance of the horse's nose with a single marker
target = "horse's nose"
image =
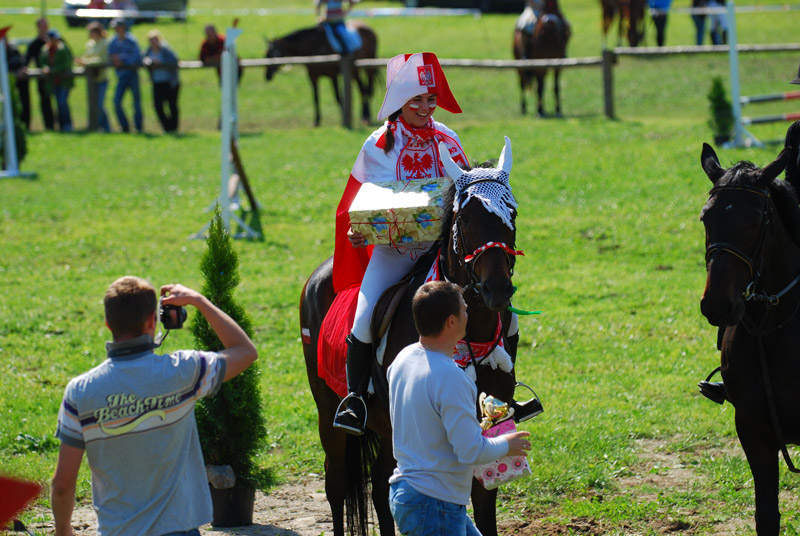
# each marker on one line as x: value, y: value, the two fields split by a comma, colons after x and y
x: 497, y: 293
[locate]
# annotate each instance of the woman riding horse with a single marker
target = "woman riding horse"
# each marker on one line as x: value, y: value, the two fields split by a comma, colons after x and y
x: 405, y: 147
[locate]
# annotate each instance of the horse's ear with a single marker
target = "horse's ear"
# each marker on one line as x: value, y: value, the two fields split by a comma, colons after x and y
x: 505, y: 157
x: 770, y: 172
x: 450, y: 167
x: 710, y: 163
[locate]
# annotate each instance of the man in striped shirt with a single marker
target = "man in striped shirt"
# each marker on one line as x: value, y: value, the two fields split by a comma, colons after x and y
x: 133, y: 415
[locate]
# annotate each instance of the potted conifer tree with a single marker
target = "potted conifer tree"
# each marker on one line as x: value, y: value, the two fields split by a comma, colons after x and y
x: 231, y: 424
x: 721, y: 121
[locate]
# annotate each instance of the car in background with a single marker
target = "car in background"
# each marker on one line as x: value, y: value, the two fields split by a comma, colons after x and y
x: 77, y: 12
x: 486, y: 6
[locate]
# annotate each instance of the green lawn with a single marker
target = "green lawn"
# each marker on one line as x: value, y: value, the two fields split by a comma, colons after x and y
x: 608, y: 221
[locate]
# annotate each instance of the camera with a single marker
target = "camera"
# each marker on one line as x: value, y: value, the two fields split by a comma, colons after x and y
x: 172, y: 316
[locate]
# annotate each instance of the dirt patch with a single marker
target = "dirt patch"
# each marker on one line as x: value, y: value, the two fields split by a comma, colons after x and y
x: 300, y: 508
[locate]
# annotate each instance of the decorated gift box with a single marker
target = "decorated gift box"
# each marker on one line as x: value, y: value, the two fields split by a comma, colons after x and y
x: 399, y: 212
x: 507, y: 468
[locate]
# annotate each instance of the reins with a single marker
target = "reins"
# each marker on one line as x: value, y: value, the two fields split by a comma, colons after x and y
x: 752, y: 294
x: 467, y: 261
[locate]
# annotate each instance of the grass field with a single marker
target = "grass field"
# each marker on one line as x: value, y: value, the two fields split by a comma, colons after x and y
x: 608, y: 220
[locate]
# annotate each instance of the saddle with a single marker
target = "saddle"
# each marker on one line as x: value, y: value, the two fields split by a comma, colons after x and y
x: 331, y: 346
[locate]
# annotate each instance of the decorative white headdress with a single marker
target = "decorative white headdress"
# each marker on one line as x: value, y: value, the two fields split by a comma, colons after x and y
x: 489, y: 185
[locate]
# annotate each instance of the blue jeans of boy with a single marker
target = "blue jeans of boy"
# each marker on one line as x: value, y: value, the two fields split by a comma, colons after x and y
x: 128, y: 79
x: 417, y: 514
x: 64, y: 117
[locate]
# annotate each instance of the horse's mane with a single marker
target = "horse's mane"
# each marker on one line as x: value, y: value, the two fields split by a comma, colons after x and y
x: 783, y: 195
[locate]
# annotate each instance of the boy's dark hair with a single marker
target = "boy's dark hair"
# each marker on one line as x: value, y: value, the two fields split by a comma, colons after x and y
x: 129, y: 301
x: 433, y: 304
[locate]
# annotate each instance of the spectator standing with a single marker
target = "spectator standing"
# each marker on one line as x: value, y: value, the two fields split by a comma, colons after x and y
x: 659, y: 10
x: 335, y: 13
x: 96, y: 58
x: 32, y: 55
x: 163, y: 65
x: 719, y: 24
x: 435, y: 431
x: 134, y: 416
x: 56, y: 60
x: 699, y: 20
x: 126, y: 57
x: 212, y: 47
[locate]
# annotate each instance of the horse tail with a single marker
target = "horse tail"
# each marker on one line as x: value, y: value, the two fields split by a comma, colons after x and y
x: 360, y: 455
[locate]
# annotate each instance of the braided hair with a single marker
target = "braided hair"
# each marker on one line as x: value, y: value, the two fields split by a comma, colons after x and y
x: 389, y: 134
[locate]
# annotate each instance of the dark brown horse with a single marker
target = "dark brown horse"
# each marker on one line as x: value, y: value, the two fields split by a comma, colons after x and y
x: 487, y: 279
x: 548, y: 40
x: 752, y: 292
x: 314, y: 42
x: 630, y: 19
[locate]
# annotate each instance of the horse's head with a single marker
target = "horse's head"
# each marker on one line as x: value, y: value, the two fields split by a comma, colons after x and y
x: 482, y: 234
x: 273, y: 51
x: 737, y: 220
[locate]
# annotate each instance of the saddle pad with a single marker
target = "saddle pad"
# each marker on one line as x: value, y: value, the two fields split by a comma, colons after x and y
x: 332, y: 346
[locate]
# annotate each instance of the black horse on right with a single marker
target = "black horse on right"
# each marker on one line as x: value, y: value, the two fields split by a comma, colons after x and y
x: 752, y: 224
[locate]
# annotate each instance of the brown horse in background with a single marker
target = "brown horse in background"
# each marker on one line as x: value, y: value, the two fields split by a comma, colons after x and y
x: 349, y: 460
x: 752, y: 292
x: 314, y: 42
x: 549, y: 38
x: 630, y: 14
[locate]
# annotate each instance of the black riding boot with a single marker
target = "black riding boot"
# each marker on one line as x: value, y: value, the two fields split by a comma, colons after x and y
x: 713, y: 390
x: 353, y: 418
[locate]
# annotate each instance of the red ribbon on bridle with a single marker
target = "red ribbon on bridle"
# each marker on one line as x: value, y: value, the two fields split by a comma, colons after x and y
x: 501, y: 245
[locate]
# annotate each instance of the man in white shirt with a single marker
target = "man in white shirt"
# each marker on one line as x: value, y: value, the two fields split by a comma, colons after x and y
x: 436, y: 435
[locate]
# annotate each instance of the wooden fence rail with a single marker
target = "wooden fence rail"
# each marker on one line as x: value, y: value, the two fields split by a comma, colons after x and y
x: 609, y: 58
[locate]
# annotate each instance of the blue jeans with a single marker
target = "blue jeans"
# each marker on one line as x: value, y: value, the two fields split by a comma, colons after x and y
x: 193, y: 532
x: 64, y: 118
x: 102, y: 119
x: 417, y: 514
x: 128, y: 80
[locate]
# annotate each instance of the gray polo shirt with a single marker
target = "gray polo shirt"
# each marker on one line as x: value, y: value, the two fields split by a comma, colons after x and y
x: 134, y: 416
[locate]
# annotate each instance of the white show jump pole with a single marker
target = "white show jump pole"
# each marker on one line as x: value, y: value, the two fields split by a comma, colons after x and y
x: 7, y: 123
x: 741, y: 137
x: 230, y: 131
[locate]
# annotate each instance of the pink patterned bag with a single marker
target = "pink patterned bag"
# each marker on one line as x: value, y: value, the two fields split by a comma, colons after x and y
x: 507, y: 468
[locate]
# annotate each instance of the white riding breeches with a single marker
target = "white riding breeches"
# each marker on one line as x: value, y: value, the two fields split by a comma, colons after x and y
x: 386, y: 267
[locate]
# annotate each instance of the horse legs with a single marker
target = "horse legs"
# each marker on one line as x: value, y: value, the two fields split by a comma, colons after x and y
x: 557, y: 90
x: 384, y: 465
x: 363, y: 89
x: 523, y: 88
x: 540, y: 92
x: 483, y: 504
x: 333, y: 442
x: 761, y: 456
x: 317, y: 116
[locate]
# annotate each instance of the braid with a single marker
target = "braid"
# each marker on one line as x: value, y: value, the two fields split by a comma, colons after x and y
x: 390, y: 134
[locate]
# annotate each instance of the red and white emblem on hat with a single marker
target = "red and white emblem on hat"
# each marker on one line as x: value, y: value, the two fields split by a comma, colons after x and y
x: 426, y: 76
x: 409, y: 75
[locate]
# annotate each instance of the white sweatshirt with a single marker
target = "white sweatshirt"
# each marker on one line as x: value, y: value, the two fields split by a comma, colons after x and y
x: 436, y: 435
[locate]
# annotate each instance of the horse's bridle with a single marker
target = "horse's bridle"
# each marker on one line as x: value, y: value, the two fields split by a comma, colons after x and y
x: 469, y: 258
x: 750, y: 292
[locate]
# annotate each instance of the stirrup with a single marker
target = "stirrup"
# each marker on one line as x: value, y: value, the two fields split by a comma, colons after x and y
x: 347, y: 419
x: 526, y: 410
x: 714, y: 391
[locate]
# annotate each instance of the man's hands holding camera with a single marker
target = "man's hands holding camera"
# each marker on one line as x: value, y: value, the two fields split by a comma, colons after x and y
x: 173, y: 297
